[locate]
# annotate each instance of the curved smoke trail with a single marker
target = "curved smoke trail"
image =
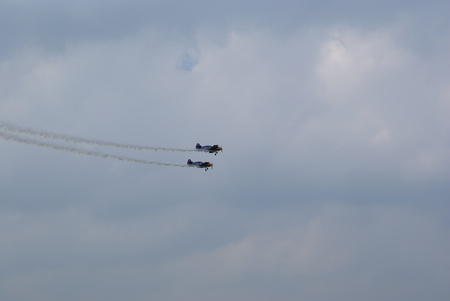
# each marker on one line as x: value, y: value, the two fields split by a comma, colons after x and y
x: 84, y: 152
x: 53, y: 136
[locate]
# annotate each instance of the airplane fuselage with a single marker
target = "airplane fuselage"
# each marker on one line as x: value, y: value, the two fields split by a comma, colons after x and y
x: 200, y: 164
x: 209, y: 148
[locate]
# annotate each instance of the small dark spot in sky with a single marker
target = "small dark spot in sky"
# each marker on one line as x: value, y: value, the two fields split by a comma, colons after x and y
x: 187, y: 62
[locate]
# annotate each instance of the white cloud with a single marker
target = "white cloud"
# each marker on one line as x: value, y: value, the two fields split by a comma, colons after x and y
x: 351, y: 60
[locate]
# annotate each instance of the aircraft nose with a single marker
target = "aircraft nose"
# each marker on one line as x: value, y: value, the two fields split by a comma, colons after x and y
x: 210, y: 164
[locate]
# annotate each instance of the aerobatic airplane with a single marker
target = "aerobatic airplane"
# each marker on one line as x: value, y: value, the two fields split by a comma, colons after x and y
x: 200, y: 164
x: 208, y: 148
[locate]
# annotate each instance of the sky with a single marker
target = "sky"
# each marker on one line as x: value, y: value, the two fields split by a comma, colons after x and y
x: 334, y: 179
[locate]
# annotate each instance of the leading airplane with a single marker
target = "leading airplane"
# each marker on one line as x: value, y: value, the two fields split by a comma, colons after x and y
x: 200, y: 164
x: 209, y: 148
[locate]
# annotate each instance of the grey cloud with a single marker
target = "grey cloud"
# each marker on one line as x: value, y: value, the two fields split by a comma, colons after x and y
x: 332, y: 183
x: 54, y: 25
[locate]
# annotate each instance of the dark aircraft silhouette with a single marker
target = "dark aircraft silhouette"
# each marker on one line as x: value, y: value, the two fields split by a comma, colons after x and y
x: 200, y: 164
x: 208, y: 148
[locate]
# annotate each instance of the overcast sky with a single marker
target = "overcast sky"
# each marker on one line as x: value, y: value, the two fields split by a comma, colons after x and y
x: 334, y: 117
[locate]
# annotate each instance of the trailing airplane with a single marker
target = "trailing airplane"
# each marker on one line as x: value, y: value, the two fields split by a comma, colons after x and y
x: 208, y: 148
x: 200, y: 164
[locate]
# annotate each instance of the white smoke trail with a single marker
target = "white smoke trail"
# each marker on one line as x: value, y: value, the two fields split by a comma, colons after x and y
x: 84, y: 152
x: 53, y: 136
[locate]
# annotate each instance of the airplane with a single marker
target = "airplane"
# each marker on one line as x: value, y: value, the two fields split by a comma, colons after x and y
x: 200, y: 164
x: 208, y: 148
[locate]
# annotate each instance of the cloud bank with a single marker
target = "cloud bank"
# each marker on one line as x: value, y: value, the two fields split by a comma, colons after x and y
x: 333, y: 183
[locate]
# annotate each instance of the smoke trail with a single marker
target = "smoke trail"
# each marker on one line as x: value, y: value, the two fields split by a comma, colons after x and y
x: 47, y: 135
x: 84, y: 152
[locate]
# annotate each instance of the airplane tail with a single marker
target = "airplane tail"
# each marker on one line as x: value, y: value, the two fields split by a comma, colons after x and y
x: 189, y: 161
x: 198, y: 146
